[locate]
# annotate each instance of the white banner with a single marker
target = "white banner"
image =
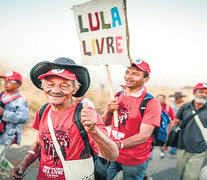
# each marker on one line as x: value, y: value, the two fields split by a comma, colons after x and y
x: 101, y: 26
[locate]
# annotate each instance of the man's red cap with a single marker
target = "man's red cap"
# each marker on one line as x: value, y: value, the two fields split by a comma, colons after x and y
x: 200, y: 86
x: 142, y: 65
x: 59, y: 72
x: 12, y: 75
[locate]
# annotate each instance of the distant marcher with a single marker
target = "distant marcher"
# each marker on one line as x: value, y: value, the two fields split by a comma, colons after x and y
x: 14, y: 113
x: 169, y: 110
x: 133, y: 135
x: 84, y: 99
x: 166, y: 107
x: 191, y: 149
x: 60, y: 80
x: 172, y: 99
x: 178, y: 101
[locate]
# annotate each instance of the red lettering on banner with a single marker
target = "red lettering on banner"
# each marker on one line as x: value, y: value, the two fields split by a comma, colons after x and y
x: 94, y: 28
x: 118, y: 44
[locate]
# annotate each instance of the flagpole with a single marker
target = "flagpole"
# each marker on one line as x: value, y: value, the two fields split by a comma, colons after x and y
x: 115, y: 113
x: 127, y: 31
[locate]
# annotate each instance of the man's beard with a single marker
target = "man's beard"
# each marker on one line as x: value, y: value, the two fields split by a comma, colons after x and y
x: 201, y: 99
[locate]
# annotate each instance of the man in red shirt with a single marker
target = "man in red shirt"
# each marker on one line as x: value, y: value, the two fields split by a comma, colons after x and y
x: 60, y: 80
x: 133, y: 134
x: 167, y: 108
x: 170, y: 111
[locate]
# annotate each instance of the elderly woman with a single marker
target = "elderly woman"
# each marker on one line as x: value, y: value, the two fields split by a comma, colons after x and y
x: 59, y: 141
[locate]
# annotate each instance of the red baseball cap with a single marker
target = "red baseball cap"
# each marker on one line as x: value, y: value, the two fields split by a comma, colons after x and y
x: 12, y: 75
x: 59, y: 72
x: 200, y: 86
x: 142, y: 65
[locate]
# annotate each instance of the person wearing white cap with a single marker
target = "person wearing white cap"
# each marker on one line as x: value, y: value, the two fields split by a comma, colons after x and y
x: 192, y: 142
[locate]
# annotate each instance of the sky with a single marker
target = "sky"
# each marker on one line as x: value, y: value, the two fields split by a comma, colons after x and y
x: 170, y: 35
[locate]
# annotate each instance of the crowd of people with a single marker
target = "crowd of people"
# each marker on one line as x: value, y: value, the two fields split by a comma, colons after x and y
x: 129, y: 146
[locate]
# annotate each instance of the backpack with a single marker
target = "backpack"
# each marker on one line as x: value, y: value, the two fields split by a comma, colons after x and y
x: 159, y: 133
x: 100, y: 164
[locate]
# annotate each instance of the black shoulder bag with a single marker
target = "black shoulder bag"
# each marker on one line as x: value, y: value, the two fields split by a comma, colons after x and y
x: 172, y: 139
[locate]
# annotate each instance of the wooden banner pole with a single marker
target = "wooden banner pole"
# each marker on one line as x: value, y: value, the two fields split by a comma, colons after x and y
x: 115, y: 113
x: 127, y: 30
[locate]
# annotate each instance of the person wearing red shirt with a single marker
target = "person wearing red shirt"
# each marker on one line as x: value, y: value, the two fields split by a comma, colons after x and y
x: 170, y: 111
x: 60, y: 80
x: 167, y: 108
x: 133, y: 134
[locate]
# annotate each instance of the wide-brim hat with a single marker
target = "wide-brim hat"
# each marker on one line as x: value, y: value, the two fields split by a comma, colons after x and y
x: 62, y: 63
x: 177, y: 95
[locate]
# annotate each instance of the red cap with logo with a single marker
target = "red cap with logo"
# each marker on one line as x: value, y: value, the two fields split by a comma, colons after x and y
x: 59, y: 72
x: 12, y: 75
x: 200, y: 86
x: 142, y: 65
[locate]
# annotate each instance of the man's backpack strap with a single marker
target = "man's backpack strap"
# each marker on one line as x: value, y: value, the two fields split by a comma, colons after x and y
x: 118, y: 93
x: 1, y: 103
x: 42, y: 110
x: 86, y: 152
x: 144, y: 101
x: 2, y: 92
x: 143, y: 105
x: 9, y: 99
x: 182, y: 124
